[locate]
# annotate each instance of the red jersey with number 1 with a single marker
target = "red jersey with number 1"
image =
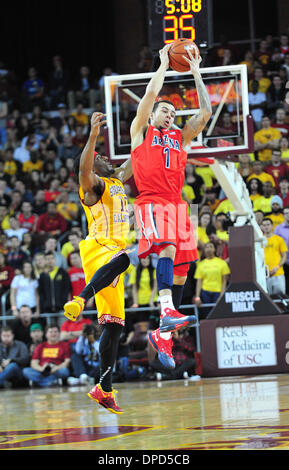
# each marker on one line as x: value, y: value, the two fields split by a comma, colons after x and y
x: 159, y: 164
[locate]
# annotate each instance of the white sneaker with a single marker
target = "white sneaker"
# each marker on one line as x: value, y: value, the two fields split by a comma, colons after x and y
x: 159, y: 376
x: 73, y: 381
x: 83, y: 379
x: 194, y: 378
x: 185, y: 375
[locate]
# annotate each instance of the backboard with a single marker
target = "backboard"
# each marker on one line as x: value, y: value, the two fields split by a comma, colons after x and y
x: 229, y: 131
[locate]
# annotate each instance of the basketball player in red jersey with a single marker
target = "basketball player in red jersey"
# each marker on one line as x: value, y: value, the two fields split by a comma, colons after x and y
x: 158, y: 160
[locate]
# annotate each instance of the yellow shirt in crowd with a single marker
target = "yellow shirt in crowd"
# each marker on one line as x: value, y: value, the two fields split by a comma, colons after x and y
x: 81, y: 118
x: 63, y: 209
x: 285, y: 154
x: 264, y: 84
x: 202, y: 235
x: 273, y: 250
x: 277, y: 219
x: 222, y: 235
x: 264, y: 136
x: 189, y: 192
x: 53, y: 273
x: 211, y: 271
x: 207, y: 174
x: 29, y: 166
x: 253, y: 197
x: 263, y: 204
x: 10, y: 168
x: 224, y: 206
x: 5, y: 224
x: 144, y: 291
x: 66, y: 249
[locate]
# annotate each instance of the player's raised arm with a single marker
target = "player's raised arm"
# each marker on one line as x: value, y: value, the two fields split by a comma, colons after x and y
x: 146, y: 104
x: 88, y: 180
x: 196, y: 124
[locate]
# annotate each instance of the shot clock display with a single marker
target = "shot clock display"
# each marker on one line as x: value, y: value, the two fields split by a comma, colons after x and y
x: 173, y: 19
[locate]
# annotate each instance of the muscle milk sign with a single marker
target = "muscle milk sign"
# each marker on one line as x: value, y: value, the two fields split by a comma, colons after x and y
x: 242, y: 300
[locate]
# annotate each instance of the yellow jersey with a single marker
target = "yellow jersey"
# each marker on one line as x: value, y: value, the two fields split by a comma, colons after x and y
x: 10, y: 168
x: 224, y: 206
x: 264, y: 136
x: 188, y: 192
x: 264, y: 84
x: 273, y: 250
x: 277, y: 219
x: 144, y: 291
x: 81, y: 118
x: 284, y: 154
x: 263, y: 204
x: 29, y: 166
x: 253, y: 197
x: 207, y: 174
x: 222, y: 235
x: 211, y: 272
x: 202, y: 235
x: 108, y: 219
x: 65, y: 208
x: 66, y: 249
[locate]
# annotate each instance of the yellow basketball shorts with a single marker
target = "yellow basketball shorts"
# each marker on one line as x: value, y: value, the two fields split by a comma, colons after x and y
x: 110, y: 300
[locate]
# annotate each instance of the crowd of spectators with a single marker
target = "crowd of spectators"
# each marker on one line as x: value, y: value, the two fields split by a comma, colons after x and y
x: 43, y: 127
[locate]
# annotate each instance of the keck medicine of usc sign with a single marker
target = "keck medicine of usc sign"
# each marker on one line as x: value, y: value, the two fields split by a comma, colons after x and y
x: 246, y: 346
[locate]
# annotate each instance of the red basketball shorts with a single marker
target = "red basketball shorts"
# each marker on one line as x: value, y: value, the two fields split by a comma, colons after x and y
x: 162, y: 223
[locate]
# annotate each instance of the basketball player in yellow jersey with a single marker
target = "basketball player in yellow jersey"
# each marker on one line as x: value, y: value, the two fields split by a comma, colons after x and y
x: 103, y: 255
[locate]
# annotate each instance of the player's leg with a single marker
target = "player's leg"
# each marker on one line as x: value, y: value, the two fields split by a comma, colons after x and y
x: 178, y: 289
x: 108, y: 349
x: 171, y: 296
x: 186, y: 252
x: 168, y: 226
x: 162, y: 341
x: 103, y: 277
x: 103, y: 392
x: 165, y: 276
x: 111, y: 316
x: 170, y: 319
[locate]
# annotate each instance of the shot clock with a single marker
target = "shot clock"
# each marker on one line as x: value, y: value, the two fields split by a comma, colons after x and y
x: 173, y: 19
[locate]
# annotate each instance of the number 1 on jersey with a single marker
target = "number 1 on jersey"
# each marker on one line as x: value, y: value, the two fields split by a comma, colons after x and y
x: 123, y: 203
x: 167, y: 154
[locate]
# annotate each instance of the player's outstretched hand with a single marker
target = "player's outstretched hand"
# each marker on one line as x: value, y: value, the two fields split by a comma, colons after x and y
x: 96, y: 123
x: 164, y: 57
x: 194, y: 60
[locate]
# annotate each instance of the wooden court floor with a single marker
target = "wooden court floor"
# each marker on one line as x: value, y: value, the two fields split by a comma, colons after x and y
x: 232, y: 413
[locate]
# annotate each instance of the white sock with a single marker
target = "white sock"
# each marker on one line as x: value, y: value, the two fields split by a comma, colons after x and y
x: 166, y: 335
x: 166, y: 301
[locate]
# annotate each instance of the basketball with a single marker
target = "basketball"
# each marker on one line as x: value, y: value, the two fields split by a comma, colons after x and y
x: 176, y: 52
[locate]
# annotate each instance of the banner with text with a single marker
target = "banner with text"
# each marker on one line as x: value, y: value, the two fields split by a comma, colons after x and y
x: 246, y: 346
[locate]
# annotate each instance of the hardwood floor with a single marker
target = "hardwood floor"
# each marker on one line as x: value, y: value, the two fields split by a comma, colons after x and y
x: 231, y: 413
